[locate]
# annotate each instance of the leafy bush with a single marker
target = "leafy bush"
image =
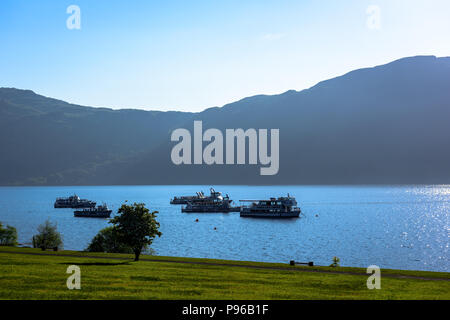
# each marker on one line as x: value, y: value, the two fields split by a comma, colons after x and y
x: 48, y: 237
x: 107, y: 240
x: 8, y: 236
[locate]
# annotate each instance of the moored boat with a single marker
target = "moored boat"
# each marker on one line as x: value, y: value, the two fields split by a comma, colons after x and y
x: 216, y: 202
x: 277, y: 208
x: 186, y: 199
x: 224, y: 206
x: 74, y: 202
x: 99, y: 212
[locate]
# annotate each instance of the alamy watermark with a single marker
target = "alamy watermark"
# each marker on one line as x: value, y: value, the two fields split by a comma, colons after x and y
x: 74, y: 280
x: 213, y: 153
x: 374, y: 281
x: 74, y: 20
x: 374, y: 17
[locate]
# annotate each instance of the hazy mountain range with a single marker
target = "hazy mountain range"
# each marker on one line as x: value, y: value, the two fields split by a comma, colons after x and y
x: 384, y: 125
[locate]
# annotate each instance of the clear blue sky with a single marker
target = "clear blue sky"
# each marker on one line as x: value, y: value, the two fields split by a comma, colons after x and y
x: 191, y: 55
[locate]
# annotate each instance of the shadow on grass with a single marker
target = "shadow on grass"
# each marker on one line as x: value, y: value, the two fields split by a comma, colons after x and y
x: 97, y: 263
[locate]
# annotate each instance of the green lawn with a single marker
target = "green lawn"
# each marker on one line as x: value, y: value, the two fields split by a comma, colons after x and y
x: 24, y: 276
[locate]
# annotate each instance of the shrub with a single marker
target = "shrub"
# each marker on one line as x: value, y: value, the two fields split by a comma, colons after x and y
x: 107, y: 241
x: 48, y: 237
x: 8, y: 236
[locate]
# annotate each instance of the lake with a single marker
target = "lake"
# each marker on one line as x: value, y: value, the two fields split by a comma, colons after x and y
x: 401, y: 227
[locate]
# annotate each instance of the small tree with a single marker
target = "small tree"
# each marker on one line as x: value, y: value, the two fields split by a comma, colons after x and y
x: 107, y: 240
x: 335, y: 263
x: 136, y: 227
x: 47, y: 237
x: 8, y: 236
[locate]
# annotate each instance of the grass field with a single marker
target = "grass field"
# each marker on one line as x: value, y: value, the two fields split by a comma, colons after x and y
x: 26, y: 274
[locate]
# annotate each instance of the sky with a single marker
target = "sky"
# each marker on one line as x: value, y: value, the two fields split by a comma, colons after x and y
x: 193, y: 55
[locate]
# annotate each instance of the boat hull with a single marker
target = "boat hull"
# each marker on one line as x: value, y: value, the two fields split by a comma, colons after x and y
x: 82, y: 214
x: 179, y: 201
x: 74, y: 206
x: 200, y: 209
x: 270, y: 215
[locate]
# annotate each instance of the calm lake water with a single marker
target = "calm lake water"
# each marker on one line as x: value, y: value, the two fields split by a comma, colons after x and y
x: 404, y: 227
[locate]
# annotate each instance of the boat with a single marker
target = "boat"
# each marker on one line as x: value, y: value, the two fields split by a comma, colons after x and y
x: 74, y: 202
x: 282, y: 207
x: 99, y: 212
x: 185, y: 199
x: 213, y: 203
x: 200, y: 207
